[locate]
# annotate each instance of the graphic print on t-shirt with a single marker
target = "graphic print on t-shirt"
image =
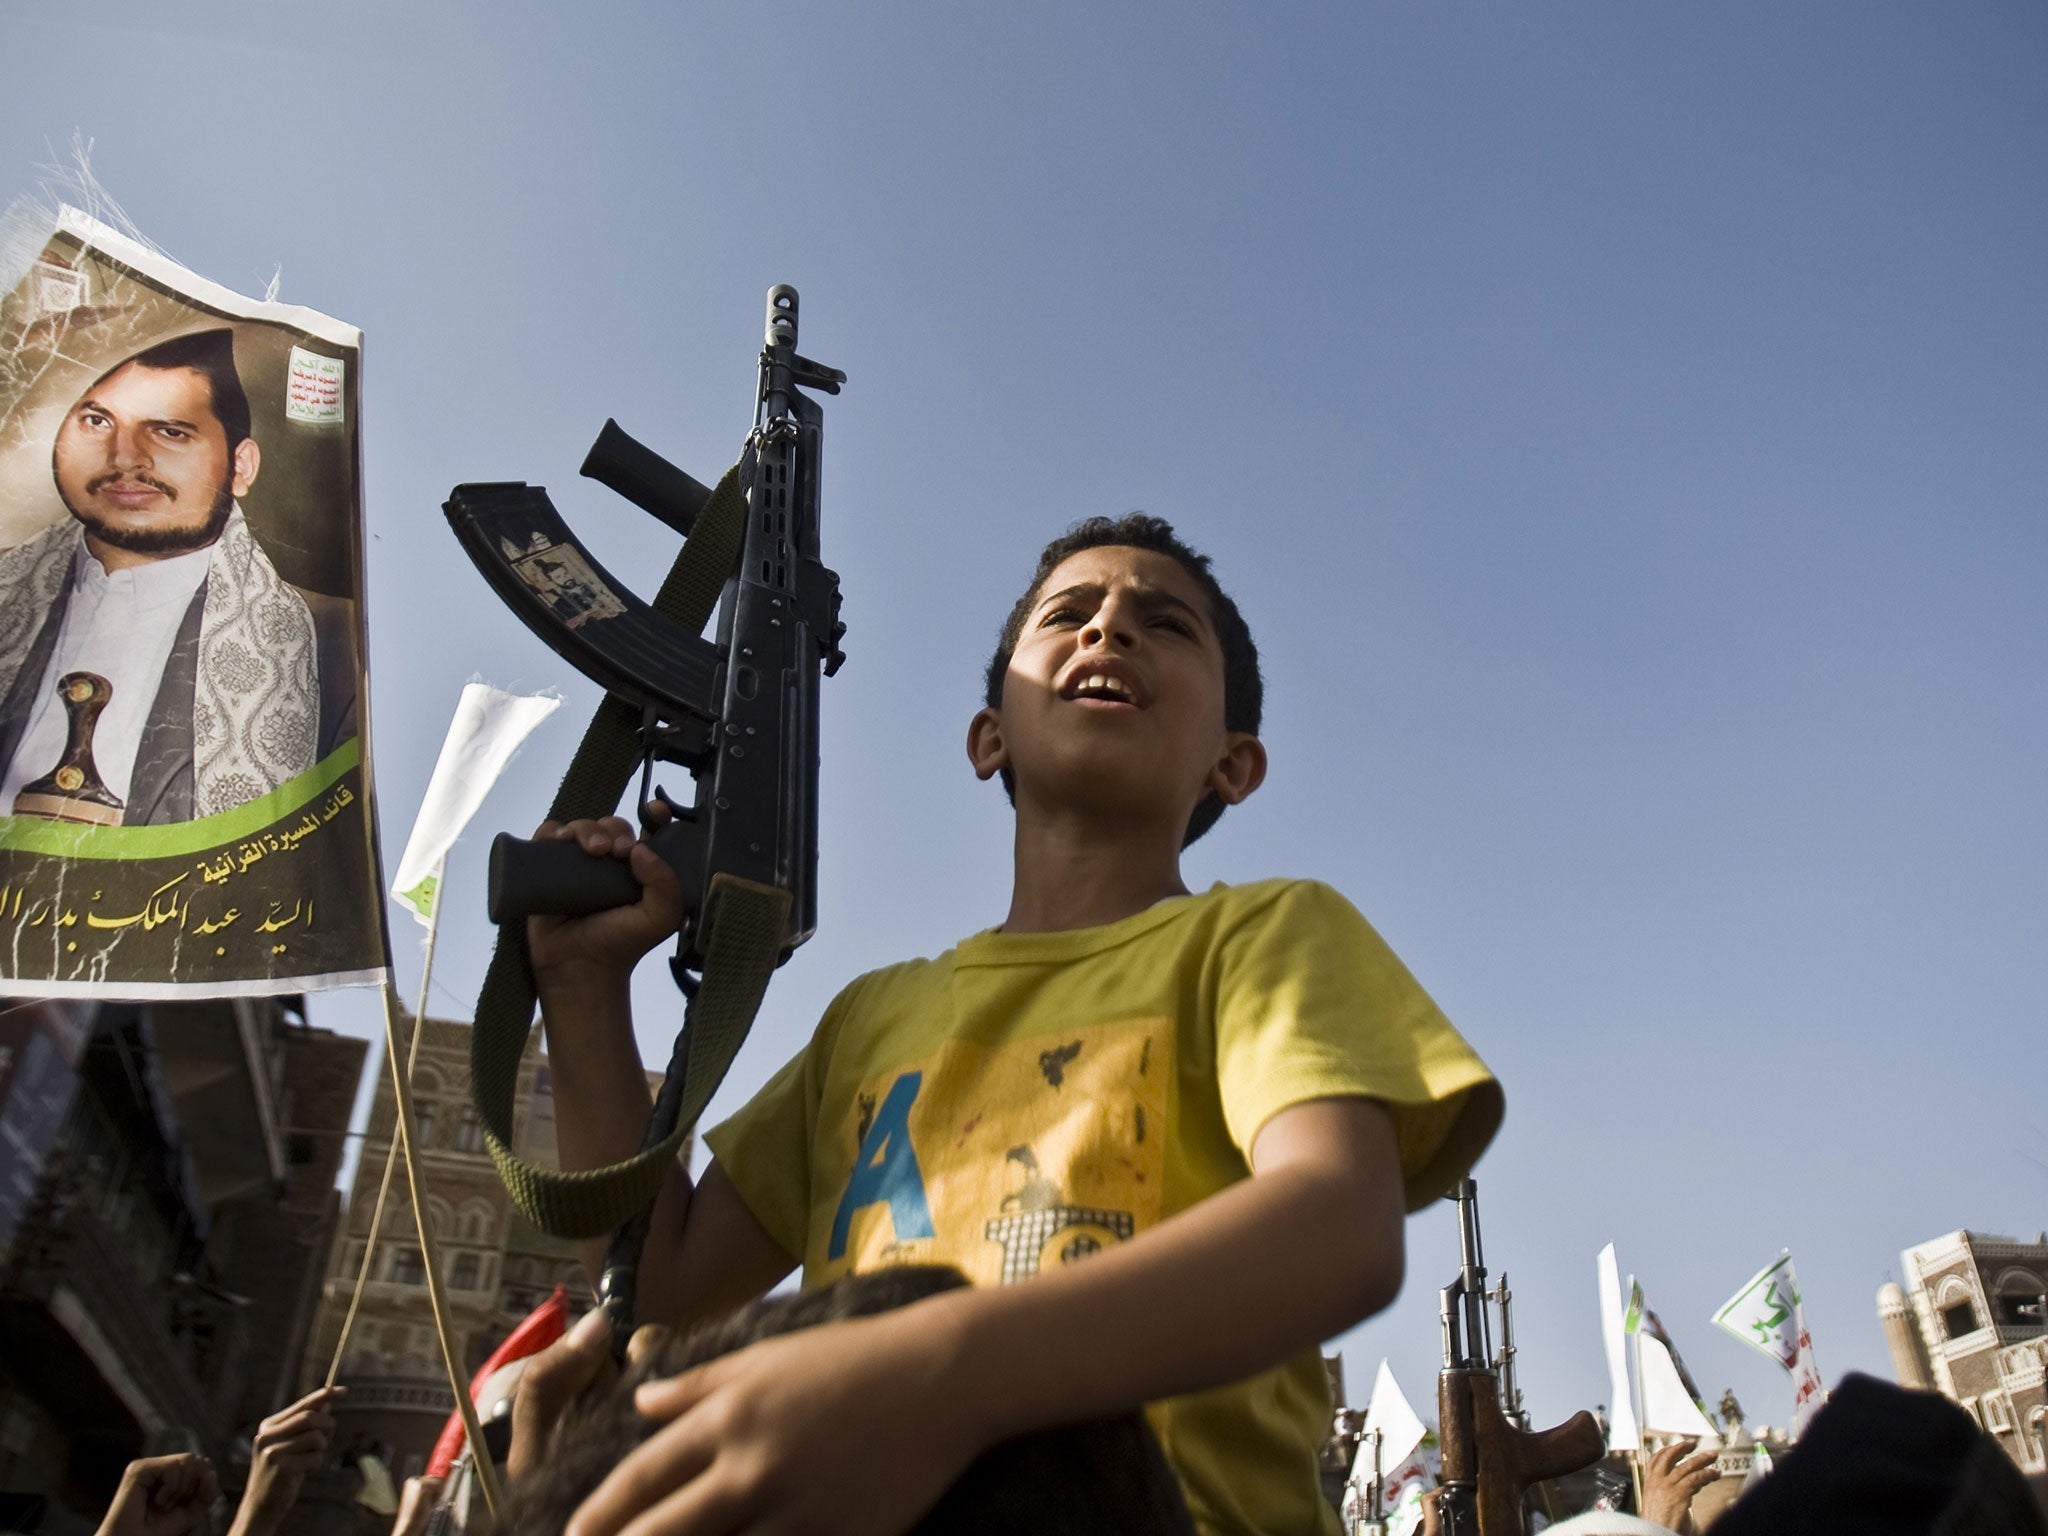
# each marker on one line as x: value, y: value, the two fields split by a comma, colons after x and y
x: 1004, y: 1160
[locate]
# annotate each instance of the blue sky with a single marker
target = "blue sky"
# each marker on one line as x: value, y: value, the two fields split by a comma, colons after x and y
x: 1622, y: 424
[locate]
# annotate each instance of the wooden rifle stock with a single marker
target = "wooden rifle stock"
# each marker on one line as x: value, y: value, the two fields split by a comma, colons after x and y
x: 1492, y: 1463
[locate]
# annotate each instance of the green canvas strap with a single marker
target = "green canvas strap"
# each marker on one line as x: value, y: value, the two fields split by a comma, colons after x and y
x: 745, y: 924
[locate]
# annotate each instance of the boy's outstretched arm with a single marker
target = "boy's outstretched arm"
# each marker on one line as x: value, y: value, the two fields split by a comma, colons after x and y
x: 705, y: 1252
x: 858, y: 1427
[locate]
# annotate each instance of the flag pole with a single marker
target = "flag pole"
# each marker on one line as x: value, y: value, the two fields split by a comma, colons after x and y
x: 486, y: 1474
x: 419, y: 1026
x: 1631, y: 1343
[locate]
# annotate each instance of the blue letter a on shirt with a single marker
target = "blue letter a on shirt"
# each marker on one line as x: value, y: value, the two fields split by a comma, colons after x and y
x: 886, y: 1168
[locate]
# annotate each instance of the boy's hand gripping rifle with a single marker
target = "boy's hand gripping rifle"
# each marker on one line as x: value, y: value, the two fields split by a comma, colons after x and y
x: 740, y: 714
x: 1490, y: 1457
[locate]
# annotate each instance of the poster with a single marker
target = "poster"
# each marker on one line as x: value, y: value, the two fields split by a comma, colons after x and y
x: 185, y: 807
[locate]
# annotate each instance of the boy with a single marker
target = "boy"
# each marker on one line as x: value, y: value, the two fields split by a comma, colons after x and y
x: 1223, y: 1103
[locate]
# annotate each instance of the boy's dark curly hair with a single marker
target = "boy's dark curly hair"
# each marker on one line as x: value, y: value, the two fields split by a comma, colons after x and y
x: 1091, y: 1479
x: 1243, y: 689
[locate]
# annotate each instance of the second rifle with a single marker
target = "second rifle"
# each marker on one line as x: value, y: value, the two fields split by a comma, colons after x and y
x: 1491, y: 1459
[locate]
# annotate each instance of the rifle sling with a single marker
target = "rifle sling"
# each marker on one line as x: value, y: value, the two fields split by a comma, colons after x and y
x: 746, y: 927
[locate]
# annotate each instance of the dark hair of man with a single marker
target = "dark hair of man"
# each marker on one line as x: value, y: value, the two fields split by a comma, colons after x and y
x: 211, y: 355
x: 1102, y: 1476
x: 1243, y: 690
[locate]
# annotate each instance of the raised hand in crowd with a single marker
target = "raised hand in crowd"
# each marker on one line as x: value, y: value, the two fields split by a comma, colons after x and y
x: 1671, y: 1478
x: 416, y: 1505
x: 161, y: 1496
x: 289, y: 1444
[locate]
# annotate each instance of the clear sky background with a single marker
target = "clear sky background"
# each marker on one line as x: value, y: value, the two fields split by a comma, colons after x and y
x: 1623, y: 425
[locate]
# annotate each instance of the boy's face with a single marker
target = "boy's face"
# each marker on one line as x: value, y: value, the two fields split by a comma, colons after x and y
x: 1113, y: 701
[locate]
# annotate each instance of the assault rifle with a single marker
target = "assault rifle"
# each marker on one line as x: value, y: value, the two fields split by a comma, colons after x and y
x: 1490, y: 1457
x: 739, y: 713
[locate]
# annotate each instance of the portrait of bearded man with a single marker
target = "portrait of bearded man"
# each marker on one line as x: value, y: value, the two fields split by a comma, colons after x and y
x: 226, y: 680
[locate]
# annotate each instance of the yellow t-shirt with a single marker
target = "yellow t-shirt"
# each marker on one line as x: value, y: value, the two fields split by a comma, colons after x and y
x: 1026, y: 1099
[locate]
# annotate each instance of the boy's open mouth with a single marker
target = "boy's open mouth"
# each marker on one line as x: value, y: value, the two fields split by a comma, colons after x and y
x: 1102, y: 686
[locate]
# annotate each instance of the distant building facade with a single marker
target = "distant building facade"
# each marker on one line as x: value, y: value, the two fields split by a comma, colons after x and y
x: 496, y: 1267
x: 166, y: 1204
x: 1968, y: 1324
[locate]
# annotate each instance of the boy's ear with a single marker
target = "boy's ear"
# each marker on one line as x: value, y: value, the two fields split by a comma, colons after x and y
x: 1240, y: 770
x: 985, y: 747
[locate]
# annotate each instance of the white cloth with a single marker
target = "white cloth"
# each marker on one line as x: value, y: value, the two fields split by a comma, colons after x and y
x: 122, y: 625
x: 488, y: 727
x: 1603, y: 1522
x: 1622, y: 1434
x: 1400, y: 1430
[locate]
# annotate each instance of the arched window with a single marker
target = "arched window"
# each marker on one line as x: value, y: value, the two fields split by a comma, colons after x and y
x: 426, y: 1105
x: 469, y: 1132
x: 474, y: 1225
x: 2016, y: 1299
x: 1957, y: 1311
x: 439, y: 1216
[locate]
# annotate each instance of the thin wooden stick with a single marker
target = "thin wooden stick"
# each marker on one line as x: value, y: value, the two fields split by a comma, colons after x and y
x: 412, y: 1055
x: 486, y: 1474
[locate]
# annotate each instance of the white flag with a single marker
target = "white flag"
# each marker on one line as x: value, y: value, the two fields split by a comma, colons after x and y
x: 1667, y: 1407
x: 1400, y: 1431
x: 1621, y: 1413
x: 1768, y: 1314
x: 1407, y: 1466
x: 488, y: 727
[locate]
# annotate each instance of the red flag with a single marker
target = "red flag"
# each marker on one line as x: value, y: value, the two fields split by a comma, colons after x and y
x: 543, y: 1325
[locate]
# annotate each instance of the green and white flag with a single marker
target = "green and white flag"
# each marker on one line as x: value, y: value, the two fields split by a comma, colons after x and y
x: 488, y: 727
x: 1768, y: 1314
x: 1622, y: 1434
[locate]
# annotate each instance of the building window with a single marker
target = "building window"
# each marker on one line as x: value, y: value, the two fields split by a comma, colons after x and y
x: 462, y: 1275
x: 474, y: 1225
x: 1959, y: 1318
x: 469, y: 1135
x: 423, y: 1113
x: 2018, y: 1302
x: 406, y: 1268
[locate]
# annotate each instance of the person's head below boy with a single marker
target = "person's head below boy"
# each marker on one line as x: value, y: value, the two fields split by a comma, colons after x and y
x: 1104, y: 1476
x: 1122, y: 706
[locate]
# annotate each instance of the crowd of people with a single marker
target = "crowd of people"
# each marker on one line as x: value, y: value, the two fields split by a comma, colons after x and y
x: 174, y: 1495
x: 1877, y: 1461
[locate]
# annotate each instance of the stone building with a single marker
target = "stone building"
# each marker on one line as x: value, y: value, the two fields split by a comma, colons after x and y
x: 166, y: 1203
x: 496, y: 1268
x: 1968, y: 1324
